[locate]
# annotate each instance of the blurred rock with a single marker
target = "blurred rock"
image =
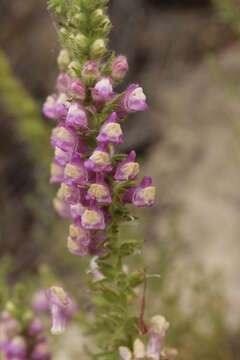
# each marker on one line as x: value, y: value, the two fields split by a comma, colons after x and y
x: 196, y: 169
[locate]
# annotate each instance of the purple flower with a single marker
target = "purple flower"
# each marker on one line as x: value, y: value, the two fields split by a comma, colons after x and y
x: 36, y: 327
x: 61, y: 207
x: 97, y: 275
x: 49, y: 107
x: 145, y: 193
x: 134, y: 100
x: 127, y: 169
x: 157, y: 331
x: 54, y: 136
x: 77, y: 210
x: 79, y: 234
x: 57, y: 173
x: 111, y: 131
x: 103, y: 91
x: 63, y: 82
x: 59, y: 302
x: 77, y: 89
x: 93, y: 219
x: 139, y: 350
x: 69, y: 194
x: 66, y: 138
x: 16, y: 348
x: 99, y: 160
x: 78, y: 240
x: 119, y: 67
x: 75, y: 173
x: 77, y: 116
x: 125, y: 353
x: 95, y: 247
x: 62, y: 106
x: 61, y: 157
x: 99, y: 191
x: 41, y: 352
x: 90, y: 71
x: 40, y: 302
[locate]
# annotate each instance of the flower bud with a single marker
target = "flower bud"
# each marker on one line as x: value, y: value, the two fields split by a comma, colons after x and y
x: 63, y: 59
x: 98, y: 48
x: 80, y: 20
x: 73, y: 69
x: 106, y: 25
x: 63, y: 33
x: 82, y: 42
x: 97, y: 16
x: 103, y: 90
x: 77, y: 89
x: 125, y: 353
x: 63, y: 82
x: 119, y: 67
x: 138, y: 349
x: 90, y: 71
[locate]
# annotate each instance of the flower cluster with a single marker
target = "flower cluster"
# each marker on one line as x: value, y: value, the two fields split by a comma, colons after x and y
x: 154, y: 349
x: 97, y: 184
x: 22, y: 339
x: 88, y: 174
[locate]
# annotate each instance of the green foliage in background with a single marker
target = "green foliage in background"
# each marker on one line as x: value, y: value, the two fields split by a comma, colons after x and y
x: 229, y: 13
x: 29, y: 123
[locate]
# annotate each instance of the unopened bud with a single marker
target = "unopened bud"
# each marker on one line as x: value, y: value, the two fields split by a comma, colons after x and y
x: 106, y: 25
x: 82, y: 42
x: 90, y: 71
x: 98, y: 48
x: 80, y: 20
x: 63, y: 33
x: 97, y: 16
x: 63, y: 59
x: 138, y: 349
x: 73, y: 69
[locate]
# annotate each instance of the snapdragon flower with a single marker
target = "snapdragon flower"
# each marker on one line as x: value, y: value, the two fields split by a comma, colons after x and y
x: 59, y: 304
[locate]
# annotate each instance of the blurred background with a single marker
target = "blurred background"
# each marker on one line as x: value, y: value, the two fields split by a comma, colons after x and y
x: 186, y: 56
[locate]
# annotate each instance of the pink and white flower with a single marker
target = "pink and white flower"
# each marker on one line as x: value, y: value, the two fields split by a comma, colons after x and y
x: 77, y: 116
x: 103, y: 91
x: 49, y: 107
x: 127, y: 169
x: 111, y: 131
x: 59, y: 303
x: 134, y: 100
x: 119, y: 67
x: 99, y: 160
